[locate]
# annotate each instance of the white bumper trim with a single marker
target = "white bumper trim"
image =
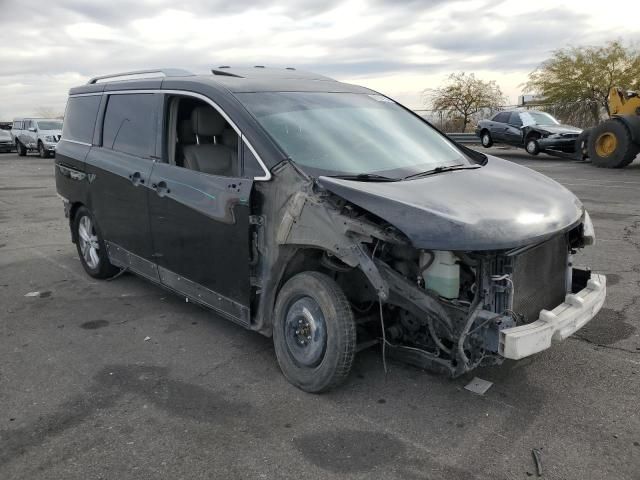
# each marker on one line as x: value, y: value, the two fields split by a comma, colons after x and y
x: 555, y: 325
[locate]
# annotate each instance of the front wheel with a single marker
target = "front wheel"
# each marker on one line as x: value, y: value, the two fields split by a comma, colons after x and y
x: 22, y: 150
x: 42, y: 151
x: 90, y: 245
x: 314, y: 332
x: 532, y: 146
x: 611, y: 145
x: 582, y: 145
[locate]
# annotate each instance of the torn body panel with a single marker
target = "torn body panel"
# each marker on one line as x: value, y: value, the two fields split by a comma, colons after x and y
x: 308, y: 227
x: 297, y: 218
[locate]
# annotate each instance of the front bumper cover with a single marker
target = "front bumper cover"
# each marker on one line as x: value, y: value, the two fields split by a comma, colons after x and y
x: 557, y: 142
x: 555, y: 325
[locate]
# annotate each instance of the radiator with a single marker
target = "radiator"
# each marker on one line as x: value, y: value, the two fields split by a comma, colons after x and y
x: 539, y: 278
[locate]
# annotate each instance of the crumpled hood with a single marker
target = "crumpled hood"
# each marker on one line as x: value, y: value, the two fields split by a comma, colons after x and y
x: 50, y: 132
x: 497, y: 206
x: 557, y: 128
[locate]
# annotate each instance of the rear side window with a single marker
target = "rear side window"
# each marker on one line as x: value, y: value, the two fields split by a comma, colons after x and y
x: 502, y: 117
x: 80, y: 118
x: 130, y: 124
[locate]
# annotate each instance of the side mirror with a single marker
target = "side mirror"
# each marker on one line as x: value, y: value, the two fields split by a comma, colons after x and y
x: 32, y: 129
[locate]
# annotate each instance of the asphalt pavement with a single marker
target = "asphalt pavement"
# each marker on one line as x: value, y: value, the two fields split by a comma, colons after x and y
x: 123, y: 380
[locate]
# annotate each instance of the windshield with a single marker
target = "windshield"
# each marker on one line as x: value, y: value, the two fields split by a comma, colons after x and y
x: 4, y: 135
x: 537, y: 118
x: 350, y: 134
x: 49, y: 124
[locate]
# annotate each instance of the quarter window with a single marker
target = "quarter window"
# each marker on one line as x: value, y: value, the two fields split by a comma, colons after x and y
x: 80, y: 118
x: 130, y: 124
x: 250, y: 166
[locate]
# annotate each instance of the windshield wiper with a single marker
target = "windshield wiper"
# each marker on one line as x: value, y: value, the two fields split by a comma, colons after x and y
x: 447, y: 168
x: 366, y: 177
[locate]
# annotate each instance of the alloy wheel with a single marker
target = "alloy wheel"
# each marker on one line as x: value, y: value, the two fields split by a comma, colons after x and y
x: 89, y: 245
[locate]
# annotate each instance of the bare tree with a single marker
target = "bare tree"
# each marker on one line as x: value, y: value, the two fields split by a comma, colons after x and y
x: 48, y: 112
x: 463, y: 96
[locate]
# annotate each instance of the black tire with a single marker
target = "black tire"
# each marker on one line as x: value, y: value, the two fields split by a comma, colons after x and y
x: 485, y: 139
x: 42, y: 151
x: 532, y: 146
x: 582, y: 145
x: 611, y: 145
x: 339, y: 345
x: 22, y: 150
x: 104, y: 269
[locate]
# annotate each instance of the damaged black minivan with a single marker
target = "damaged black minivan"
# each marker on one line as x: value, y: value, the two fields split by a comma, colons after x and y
x: 325, y: 215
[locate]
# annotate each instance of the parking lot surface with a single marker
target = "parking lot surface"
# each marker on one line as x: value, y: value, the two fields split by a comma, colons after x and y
x: 123, y: 380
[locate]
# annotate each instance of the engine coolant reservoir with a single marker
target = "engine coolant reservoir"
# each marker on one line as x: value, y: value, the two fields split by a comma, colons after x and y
x: 443, y: 275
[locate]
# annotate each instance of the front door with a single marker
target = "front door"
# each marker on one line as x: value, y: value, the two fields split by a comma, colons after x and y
x: 199, y: 209
x: 513, y: 133
x: 119, y: 170
x: 200, y: 228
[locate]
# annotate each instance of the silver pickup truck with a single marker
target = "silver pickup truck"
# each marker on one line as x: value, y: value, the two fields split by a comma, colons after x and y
x: 36, y: 135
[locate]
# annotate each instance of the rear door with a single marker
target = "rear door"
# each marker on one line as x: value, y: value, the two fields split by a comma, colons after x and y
x: 499, y: 126
x: 200, y: 228
x: 119, y: 169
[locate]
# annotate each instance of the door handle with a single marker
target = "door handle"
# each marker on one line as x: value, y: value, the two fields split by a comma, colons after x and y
x: 161, y: 188
x: 136, y: 178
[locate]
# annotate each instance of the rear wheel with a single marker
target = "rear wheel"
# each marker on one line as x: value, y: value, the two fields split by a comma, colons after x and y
x: 90, y: 245
x: 314, y: 332
x: 611, y: 146
x: 485, y: 138
x: 22, y: 150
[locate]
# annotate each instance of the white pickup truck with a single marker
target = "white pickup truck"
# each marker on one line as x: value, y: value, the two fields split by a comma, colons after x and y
x: 36, y: 135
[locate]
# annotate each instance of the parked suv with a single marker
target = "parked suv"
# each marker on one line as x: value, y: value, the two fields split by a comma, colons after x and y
x: 325, y: 215
x: 36, y: 135
x: 534, y: 131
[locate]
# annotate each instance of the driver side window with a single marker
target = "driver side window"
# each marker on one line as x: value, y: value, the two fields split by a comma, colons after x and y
x: 515, y: 119
x: 200, y: 139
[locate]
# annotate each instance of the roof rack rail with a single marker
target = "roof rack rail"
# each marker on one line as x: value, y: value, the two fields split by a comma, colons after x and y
x: 141, y: 74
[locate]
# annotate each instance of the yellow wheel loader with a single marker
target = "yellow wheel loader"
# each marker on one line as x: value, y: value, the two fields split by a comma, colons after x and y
x: 616, y: 141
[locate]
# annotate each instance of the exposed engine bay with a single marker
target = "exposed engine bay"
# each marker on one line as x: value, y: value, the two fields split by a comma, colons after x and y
x: 443, y: 310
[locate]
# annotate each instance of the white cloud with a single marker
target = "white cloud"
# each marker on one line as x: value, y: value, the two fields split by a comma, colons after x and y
x: 397, y: 47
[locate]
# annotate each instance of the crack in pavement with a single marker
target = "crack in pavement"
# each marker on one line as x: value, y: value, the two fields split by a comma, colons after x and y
x: 591, y: 342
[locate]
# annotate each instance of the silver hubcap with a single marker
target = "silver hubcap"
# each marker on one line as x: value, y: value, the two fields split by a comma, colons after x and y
x: 485, y: 139
x: 306, y: 332
x: 531, y: 146
x: 89, y: 245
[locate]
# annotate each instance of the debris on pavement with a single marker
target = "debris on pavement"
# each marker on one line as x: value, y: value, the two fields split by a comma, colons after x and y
x: 146, y: 339
x: 537, y: 457
x: 478, y: 385
x: 45, y: 294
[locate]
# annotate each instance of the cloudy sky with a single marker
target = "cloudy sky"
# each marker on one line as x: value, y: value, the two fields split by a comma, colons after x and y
x: 399, y: 47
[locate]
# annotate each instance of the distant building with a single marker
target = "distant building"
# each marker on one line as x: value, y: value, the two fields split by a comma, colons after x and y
x: 529, y: 99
